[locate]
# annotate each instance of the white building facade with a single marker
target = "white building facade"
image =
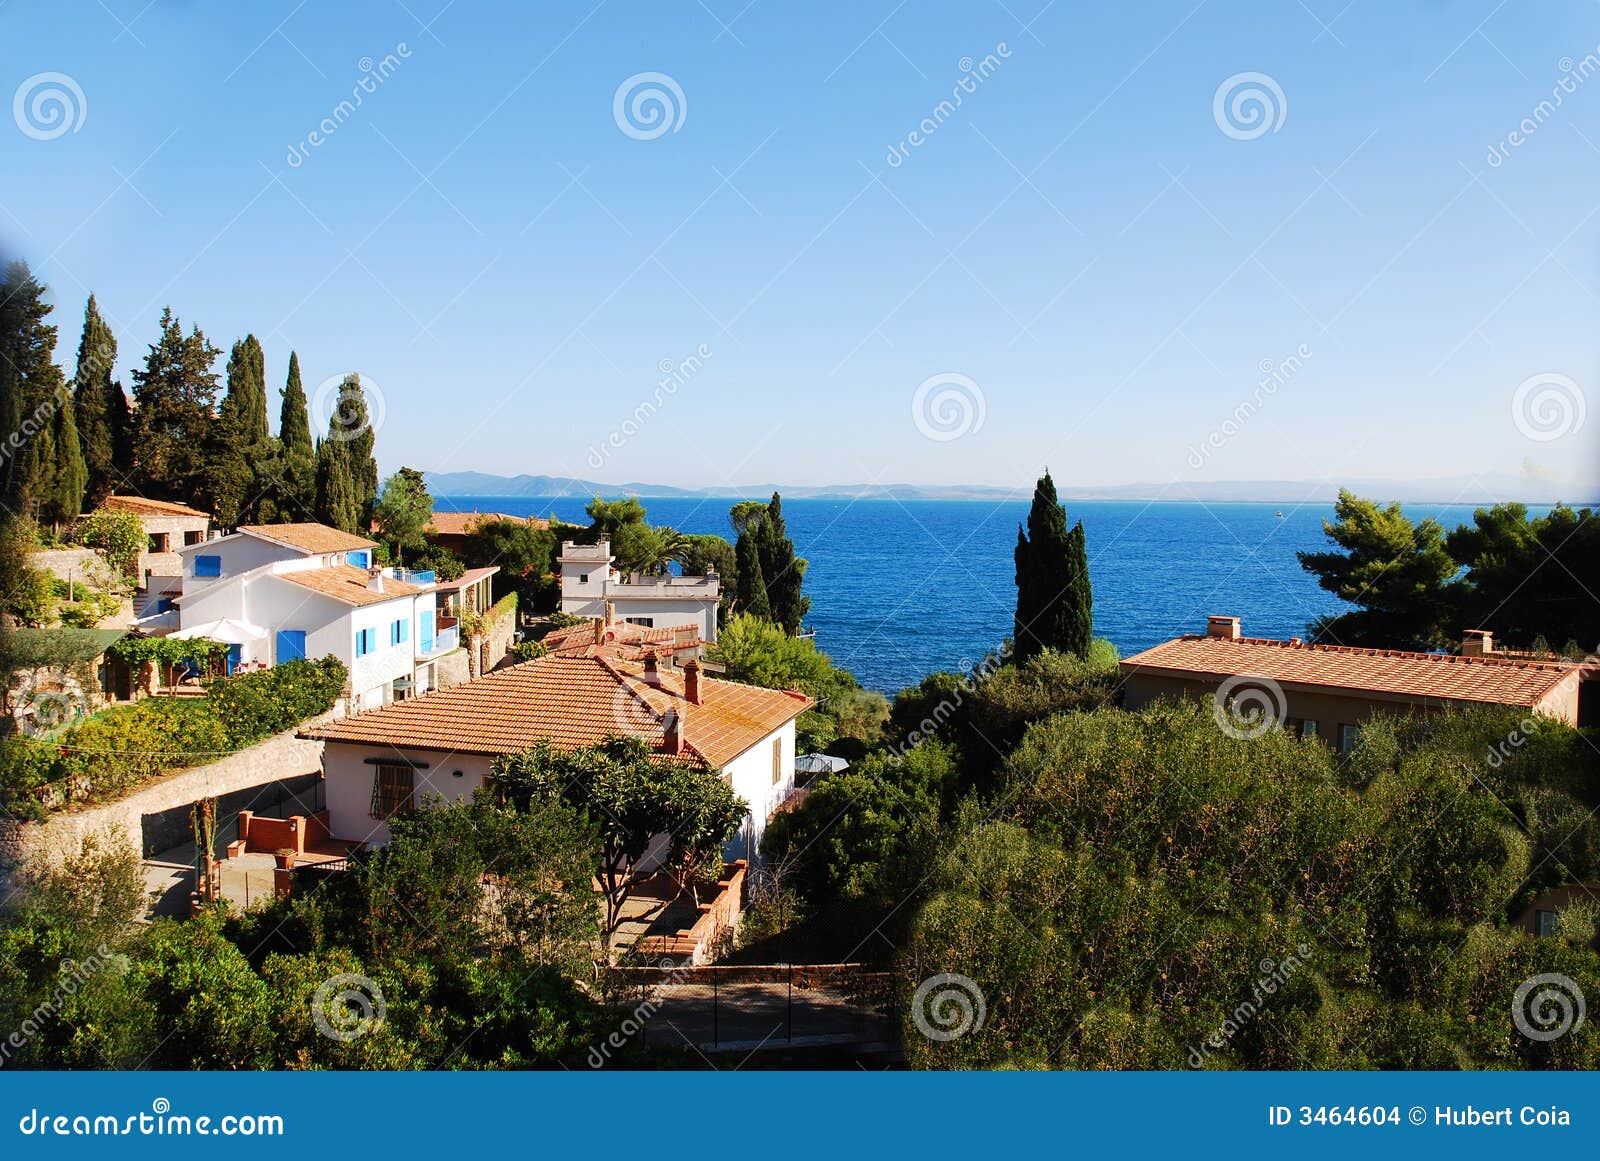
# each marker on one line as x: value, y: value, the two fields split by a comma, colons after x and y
x: 589, y: 581
x: 276, y: 593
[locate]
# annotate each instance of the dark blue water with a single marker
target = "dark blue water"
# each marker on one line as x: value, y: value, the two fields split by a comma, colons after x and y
x: 901, y: 589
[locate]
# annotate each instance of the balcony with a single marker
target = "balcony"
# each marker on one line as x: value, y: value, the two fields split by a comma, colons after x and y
x: 417, y: 576
x: 446, y: 638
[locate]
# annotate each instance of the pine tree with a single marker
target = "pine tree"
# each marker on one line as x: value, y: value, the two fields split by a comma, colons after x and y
x: 176, y: 395
x: 296, y: 494
x: 94, y: 398
x: 1054, y: 601
x: 31, y: 391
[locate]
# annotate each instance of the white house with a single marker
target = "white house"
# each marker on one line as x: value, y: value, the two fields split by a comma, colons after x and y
x: 588, y: 582
x: 278, y: 592
x: 444, y: 745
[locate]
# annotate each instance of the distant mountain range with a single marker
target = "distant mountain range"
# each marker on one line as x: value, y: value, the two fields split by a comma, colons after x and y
x: 1484, y: 489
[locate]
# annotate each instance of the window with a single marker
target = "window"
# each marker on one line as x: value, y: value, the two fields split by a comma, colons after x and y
x: 1547, y: 922
x: 391, y: 789
x: 777, y: 760
x: 1348, y: 736
x: 359, y: 559
x: 291, y: 645
x: 400, y: 632
x: 1308, y: 728
x: 583, y: 578
x: 193, y: 538
x: 207, y: 566
x: 366, y: 641
x: 158, y: 542
x: 647, y: 622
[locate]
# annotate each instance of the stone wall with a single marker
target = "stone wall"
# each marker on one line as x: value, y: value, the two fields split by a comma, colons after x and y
x: 282, y: 758
x: 84, y: 565
x: 452, y: 669
x: 489, y: 647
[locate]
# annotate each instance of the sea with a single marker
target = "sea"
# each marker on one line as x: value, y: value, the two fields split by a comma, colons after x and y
x: 902, y: 588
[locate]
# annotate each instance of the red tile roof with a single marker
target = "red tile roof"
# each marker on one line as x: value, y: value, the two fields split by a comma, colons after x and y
x: 140, y: 506
x: 461, y: 523
x: 624, y: 639
x: 310, y: 538
x: 574, y: 701
x: 1387, y: 672
x: 348, y: 584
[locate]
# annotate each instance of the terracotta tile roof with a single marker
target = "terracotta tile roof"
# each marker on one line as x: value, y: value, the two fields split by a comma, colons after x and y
x: 624, y: 640
x: 308, y: 537
x: 574, y: 701
x: 348, y: 583
x: 1387, y: 672
x: 470, y: 577
x: 461, y: 523
x: 139, y: 506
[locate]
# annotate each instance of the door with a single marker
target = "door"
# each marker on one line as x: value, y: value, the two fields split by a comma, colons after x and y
x: 291, y: 645
x: 235, y: 652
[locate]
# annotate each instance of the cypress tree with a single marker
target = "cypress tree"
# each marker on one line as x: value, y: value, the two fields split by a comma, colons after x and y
x: 784, y: 572
x: 31, y: 389
x: 243, y: 458
x: 337, y: 504
x: 296, y: 495
x: 351, y: 425
x: 752, y: 585
x: 63, y: 499
x: 1054, y: 602
x: 94, y: 399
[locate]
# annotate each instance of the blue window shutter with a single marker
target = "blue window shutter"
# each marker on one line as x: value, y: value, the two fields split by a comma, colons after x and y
x: 291, y: 645
x: 402, y: 631
x: 426, y: 635
x: 208, y: 566
x: 360, y: 559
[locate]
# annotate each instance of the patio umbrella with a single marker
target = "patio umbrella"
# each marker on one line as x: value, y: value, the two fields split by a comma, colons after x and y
x: 228, y: 631
x: 819, y: 764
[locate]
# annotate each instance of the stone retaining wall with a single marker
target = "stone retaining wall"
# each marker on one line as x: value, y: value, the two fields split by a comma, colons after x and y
x: 280, y: 758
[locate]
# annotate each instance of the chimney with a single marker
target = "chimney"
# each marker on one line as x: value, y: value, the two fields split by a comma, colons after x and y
x: 610, y: 614
x: 375, y: 579
x: 1225, y: 627
x: 652, y: 669
x: 599, y: 631
x: 691, y: 682
x: 672, y: 731
x: 1477, y: 643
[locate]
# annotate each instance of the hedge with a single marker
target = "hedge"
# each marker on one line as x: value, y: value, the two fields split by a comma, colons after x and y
x: 113, y: 752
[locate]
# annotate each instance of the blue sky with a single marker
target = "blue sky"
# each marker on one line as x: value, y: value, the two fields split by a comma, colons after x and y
x: 1100, y: 260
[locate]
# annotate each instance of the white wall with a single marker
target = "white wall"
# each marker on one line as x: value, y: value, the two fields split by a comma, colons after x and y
x: 751, y: 773
x: 668, y: 613
x: 239, y: 553
x: 275, y: 604
x: 350, y: 776
x: 349, y: 784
